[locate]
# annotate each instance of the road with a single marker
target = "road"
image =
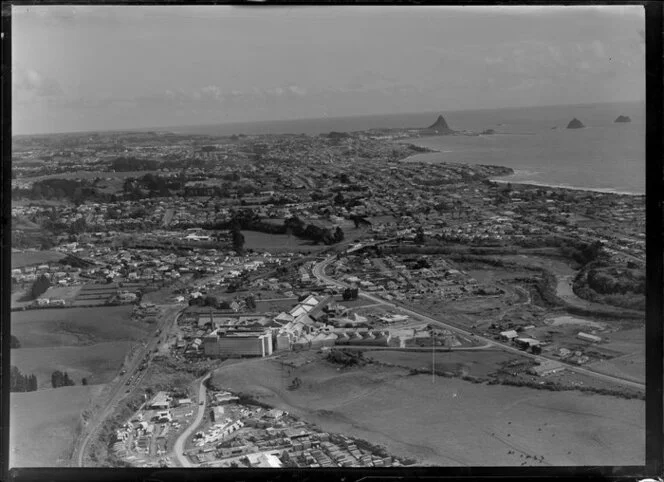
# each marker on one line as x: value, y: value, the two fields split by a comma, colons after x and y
x: 319, y: 271
x: 441, y: 349
x: 119, y: 388
x: 178, y: 446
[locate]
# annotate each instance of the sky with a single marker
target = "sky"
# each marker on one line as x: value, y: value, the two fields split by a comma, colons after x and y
x: 105, y: 68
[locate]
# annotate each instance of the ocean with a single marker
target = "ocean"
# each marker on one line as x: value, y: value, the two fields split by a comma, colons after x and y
x: 533, y: 141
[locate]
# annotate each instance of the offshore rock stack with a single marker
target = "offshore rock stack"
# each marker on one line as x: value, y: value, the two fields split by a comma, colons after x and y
x: 575, y: 124
x: 440, y: 126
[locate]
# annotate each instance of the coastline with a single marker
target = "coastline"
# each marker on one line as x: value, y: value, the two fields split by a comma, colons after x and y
x: 515, y: 172
x: 598, y: 190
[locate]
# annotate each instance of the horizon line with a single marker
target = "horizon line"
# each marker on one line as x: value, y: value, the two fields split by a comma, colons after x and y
x: 180, y: 126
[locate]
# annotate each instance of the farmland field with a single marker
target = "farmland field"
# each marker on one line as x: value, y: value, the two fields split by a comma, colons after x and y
x: 76, y: 326
x: 87, y: 343
x: 43, y: 424
x: 99, y: 363
x: 28, y: 258
x: 451, y: 421
x: 631, y: 367
x: 91, y: 175
x: 66, y: 293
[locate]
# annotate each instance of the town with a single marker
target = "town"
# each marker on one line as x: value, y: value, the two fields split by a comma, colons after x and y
x: 294, y: 253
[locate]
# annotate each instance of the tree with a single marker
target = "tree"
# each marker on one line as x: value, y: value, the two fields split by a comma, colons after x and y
x: 251, y: 302
x: 238, y: 240
x: 211, y: 301
x: 60, y: 379
x: 56, y: 379
x: 39, y: 286
x: 84, y: 381
x: 21, y: 383
x: 419, y: 235
x: 350, y: 294
x: 13, y: 342
x: 77, y: 226
x: 68, y: 381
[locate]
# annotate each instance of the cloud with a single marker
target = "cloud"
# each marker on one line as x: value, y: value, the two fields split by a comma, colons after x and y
x: 297, y: 90
x: 34, y: 84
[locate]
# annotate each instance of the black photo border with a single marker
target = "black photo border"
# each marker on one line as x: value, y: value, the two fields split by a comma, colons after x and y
x: 654, y: 465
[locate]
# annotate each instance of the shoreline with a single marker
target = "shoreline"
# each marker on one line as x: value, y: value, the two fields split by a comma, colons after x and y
x: 503, y: 180
x: 597, y: 190
x: 569, y: 188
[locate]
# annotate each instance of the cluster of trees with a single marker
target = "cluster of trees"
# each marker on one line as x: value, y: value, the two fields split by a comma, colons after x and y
x: 420, y: 263
x: 345, y: 358
x: 19, y: 382
x: 620, y: 287
x: 247, y: 219
x: 209, y: 300
x: 616, y: 281
x: 317, y: 234
x: 350, y: 294
x: 159, y: 185
x: 39, y: 287
x: 74, y: 190
x: 60, y: 379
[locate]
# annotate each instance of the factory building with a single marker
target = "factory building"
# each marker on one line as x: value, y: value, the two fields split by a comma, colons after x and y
x: 238, y: 343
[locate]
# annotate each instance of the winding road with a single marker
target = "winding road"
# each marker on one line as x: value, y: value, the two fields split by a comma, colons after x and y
x: 319, y: 271
x: 178, y: 446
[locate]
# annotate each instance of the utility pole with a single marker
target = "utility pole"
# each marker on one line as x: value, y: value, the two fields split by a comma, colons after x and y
x: 433, y: 357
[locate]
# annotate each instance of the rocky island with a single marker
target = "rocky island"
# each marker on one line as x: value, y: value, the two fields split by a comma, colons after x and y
x: 622, y: 119
x: 575, y: 124
x: 439, y: 127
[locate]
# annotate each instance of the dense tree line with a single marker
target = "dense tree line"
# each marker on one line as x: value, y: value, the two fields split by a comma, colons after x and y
x: 124, y: 164
x: 75, y: 190
x: 61, y: 379
x: 21, y: 383
x: 616, y: 281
